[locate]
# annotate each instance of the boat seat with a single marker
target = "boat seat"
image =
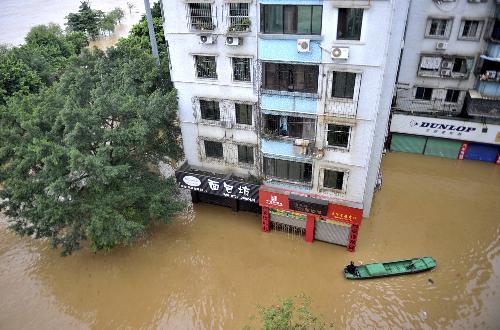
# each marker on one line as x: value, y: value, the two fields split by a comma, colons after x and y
x: 376, y: 269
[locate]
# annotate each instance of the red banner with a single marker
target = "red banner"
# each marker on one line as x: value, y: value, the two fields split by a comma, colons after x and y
x: 341, y: 213
x: 345, y: 214
x: 273, y: 200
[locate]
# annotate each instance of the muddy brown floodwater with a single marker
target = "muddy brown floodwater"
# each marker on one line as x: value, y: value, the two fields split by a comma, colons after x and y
x: 212, y: 267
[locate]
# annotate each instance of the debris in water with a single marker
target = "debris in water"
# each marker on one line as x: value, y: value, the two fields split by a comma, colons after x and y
x: 431, y: 281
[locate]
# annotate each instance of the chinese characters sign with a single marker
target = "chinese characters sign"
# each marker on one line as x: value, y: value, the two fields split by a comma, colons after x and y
x: 344, y: 214
x: 273, y: 200
x: 217, y: 186
x: 308, y: 205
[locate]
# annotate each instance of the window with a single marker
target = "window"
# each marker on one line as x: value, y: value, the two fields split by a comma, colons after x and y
x: 206, y: 67
x: 349, y: 23
x: 423, y: 93
x: 470, y: 30
x: 343, y: 84
x: 287, y: 170
x: 430, y: 66
x: 296, y: 127
x: 291, y: 77
x: 238, y: 17
x: 333, y: 179
x: 452, y: 95
x: 438, y: 28
x: 460, y: 65
x: 291, y: 19
x: 213, y: 149
x: 245, y: 154
x: 200, y: 16
x: 241, y: 69
x: 209, y: 110
x: 243, y: 113
x: 338, y: 135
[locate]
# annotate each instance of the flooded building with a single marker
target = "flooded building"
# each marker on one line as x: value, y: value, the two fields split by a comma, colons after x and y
x: 449, y: 68
x: 295, y: 93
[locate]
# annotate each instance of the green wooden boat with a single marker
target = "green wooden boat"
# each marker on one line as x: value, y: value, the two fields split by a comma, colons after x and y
x: 400, y: 267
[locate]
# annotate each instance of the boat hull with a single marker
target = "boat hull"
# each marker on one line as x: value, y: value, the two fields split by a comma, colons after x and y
x: 393, y: 268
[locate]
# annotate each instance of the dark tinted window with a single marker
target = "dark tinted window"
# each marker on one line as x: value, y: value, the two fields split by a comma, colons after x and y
x: 291, y: 19
x: 349, y: 23
x: 291, y: 77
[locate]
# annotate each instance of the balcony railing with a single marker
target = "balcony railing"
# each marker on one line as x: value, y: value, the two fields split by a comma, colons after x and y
x: 238, y: 24
x: 342, y: 109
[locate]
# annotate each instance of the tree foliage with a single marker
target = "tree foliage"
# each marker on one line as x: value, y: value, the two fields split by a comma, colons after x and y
x: 39, y: 62
x: 287, y: 316
x: 93, y: 22
x: 80, y: 145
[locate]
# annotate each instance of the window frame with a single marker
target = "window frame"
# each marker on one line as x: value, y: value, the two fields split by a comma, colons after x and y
x: 359, y: 33
x: 479, y: 31
x: 236, y: 116
x: 214, y: 76
x: 284, y: 75
x: 354, y: 89
x: 264, y: 15
x: 205, y: 141
x: 454, y: 93
x: 288, y: 179
x: 447, y: 28
x: 339, y: 147
x: 247, y: 152
x: 207, y: 23
x: 233, y: 75
x: 206, y: 101
x: 322, y: 178
x: 423, y: 98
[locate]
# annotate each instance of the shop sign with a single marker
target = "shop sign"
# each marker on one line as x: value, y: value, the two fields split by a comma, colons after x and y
x: 345, y: 214
x: 445, y: 128
x: 273, y: 200
x: 217, y: 186
x: 308, y: 205
x: 289, y: 214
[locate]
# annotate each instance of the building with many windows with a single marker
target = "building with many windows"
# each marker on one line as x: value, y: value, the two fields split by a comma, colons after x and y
x: 297, y: 93
x: 447, y: 93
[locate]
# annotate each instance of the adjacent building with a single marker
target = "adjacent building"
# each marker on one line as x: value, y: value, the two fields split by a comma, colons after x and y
x: 296, y: 94
x: 447, y: 91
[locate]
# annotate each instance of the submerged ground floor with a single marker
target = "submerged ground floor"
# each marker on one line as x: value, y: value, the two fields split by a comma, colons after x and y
x: 211, y: 267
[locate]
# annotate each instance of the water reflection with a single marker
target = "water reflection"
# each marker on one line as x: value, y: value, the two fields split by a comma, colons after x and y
x: 211, y: 267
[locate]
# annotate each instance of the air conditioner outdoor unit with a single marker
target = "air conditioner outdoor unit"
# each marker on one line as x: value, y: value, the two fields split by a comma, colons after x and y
x: 233, y: 41
x: 446, y: 64
x: 441, y: 45
x: 301, y: 142
x: 303, y: 45
x: 446, y: 72
x: 207, y: 39
x: 340, y: 53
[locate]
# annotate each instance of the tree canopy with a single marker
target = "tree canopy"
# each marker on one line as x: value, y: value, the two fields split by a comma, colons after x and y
x: 93, y: 22
x: 82, y: 132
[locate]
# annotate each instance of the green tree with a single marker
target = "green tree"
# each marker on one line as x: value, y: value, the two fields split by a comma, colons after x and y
x: 87, y: 20
x: 77, y: 160
x: 286, y: 316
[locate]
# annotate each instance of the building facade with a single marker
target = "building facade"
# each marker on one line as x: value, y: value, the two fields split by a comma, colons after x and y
x: 297, y: 93
x: 442, y: 43
x: 449, y: 68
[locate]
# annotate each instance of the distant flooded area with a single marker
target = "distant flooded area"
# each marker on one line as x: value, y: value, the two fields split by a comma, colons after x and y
x: 18, y: 17
x: 211, y: 267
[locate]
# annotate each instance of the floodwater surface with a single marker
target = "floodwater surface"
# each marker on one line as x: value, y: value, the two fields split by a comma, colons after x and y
x: 211, y: 267
x: 17, y: 17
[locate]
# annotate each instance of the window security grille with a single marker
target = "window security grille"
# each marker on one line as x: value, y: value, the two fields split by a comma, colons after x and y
x: 241, y: 69
x: 200, y: 16
x: 238, y: 17
x: 338, y: 135
x: 206, y: 67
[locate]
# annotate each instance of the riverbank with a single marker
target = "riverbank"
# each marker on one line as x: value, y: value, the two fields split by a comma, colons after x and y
x: 212, y: 267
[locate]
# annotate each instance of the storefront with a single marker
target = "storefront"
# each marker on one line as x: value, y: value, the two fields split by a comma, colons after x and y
x: 446, y: 138
x: 225, y: 190
x: 321, y: 219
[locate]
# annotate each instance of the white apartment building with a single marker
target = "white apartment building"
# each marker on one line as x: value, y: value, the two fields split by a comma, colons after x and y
x: 443, y: 41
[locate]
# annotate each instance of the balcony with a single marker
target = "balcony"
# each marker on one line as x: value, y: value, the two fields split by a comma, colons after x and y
x: 235, y: 25
x: 341, y: 108
x: 276, y: 103
x: 287, y: 148
x: 484, y: 106
x: 201, y: 23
